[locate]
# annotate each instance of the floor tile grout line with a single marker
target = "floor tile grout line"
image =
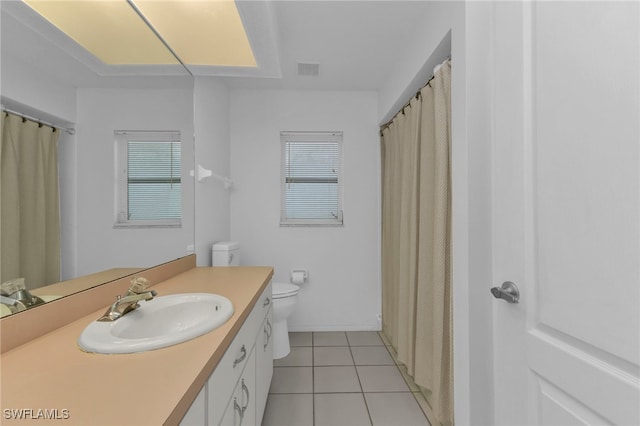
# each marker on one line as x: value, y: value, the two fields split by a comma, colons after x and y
x: 344, y: 346
x: 338, y: 392
x: 362, y: 393
x: 413, y: 392
x: 337, y: 365
x: 366, y: 406
x: 313, y: 382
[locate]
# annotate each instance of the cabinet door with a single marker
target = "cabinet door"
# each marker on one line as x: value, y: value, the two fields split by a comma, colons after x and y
x: 264, y: 365
x: 197, y: 413
x: 234, y: 361
x: 232, y: 413
x: 241, y: 410
x: 247, y: 392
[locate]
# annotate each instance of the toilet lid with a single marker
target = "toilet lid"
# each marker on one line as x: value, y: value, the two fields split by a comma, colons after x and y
x: 279, y: 290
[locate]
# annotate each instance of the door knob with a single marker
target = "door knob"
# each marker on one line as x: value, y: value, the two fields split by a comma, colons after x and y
x: 508, y: 292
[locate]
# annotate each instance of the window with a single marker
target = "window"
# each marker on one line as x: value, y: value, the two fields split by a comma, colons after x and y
x: 311, y: 178
x: 149, y: 178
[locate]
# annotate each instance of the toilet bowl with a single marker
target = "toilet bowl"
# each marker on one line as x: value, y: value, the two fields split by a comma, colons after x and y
x: 284, y: 297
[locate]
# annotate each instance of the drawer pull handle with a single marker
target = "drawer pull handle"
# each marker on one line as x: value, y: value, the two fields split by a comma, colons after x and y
x: 238, y: 409
x: 245, y: 389
x: 266, y: 302
x: 267, y: 332
x: 243, y: 355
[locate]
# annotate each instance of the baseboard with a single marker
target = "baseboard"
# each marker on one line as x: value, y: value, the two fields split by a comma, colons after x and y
x: 332, y: 327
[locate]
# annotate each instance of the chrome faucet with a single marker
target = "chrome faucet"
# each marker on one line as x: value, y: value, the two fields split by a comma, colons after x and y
x: 16, y: 296
x: 12, y: 304
x: 128, y: 302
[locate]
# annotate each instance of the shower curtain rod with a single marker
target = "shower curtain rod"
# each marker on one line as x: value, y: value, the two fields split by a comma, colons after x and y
x: 69, y: 130
x: 388, y: 123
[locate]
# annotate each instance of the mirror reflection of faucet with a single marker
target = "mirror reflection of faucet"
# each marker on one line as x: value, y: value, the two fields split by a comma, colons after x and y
x: 12, y: 305
x: 16, y: 297
x: 129, y: 302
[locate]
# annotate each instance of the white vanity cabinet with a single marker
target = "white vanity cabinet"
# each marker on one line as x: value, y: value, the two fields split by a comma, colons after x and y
x: 241, y: 409
x: 264, y: 365
x: 197, y: 414
x: 235, y: 390
x: 249, y: 398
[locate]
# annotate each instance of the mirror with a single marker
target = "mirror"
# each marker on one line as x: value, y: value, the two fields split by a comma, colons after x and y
x: 47, y: 76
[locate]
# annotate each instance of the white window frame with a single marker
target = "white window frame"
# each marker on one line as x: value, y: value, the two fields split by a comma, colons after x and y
x: 122, y: 139
x: 315, y: 137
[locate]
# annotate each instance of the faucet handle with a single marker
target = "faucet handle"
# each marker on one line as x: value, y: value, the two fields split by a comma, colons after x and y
x: 138, y: 285
x: 12, y: 286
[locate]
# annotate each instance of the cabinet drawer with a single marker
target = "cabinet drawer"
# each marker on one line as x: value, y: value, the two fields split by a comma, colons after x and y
x: 241, y: 409
x: 264, y: 303
x: 228, y: 371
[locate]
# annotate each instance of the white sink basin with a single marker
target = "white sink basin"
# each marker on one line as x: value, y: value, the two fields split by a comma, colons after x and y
x: 158, y: 323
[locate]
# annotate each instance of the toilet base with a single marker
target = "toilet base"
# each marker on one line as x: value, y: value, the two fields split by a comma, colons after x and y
x: 281, y: 346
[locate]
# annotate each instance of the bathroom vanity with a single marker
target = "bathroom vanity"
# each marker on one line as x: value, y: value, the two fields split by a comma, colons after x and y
x: 221, y: 377
x: 236, y: 392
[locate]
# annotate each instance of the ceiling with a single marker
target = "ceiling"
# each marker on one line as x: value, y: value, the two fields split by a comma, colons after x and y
x: 356, y: 44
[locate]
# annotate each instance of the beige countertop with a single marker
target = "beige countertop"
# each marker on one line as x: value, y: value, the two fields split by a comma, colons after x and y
x: 149, y: 388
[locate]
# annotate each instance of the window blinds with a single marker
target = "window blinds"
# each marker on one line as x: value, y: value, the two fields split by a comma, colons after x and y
x: 149, y: 178
x: 153, y: 181
x: 311, y: 193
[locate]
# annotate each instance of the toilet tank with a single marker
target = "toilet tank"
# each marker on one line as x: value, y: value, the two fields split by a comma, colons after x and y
x: 225, y: 253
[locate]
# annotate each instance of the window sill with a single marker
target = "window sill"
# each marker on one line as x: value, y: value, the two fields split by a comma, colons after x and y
x: 311, y: 224
x: 149, y: 224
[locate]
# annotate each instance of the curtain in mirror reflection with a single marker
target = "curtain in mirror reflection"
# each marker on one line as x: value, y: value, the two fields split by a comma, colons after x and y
x: 29, y: 202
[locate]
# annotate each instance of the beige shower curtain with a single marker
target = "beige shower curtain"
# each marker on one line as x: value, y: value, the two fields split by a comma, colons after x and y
x: 29, y: 203
x: 416, y: 241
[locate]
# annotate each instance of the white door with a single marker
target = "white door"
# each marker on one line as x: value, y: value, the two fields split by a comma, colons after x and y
x: 566, y: 212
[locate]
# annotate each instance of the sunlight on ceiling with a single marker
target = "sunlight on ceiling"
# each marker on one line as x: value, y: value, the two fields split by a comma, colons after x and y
x: 200, y: 32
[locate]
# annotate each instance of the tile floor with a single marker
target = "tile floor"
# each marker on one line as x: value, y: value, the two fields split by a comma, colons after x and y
x: 341, y: 379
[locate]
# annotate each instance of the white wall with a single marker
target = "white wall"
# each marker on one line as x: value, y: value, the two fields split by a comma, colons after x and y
x: 36, y: 92
x: 212, y: 151
x: 479, y: 119
x: 344, y: 290
x: 430, y: 46
x: 100, y: 113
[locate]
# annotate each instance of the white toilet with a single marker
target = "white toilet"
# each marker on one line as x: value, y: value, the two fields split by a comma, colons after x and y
x: 225, y: 253
x: 284, y: 295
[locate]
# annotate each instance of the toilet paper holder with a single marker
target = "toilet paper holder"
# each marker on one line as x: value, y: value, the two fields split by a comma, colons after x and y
x: 297, y: 274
